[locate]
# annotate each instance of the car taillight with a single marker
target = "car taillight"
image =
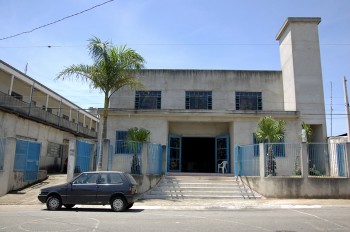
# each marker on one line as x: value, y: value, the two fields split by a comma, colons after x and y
x: 132, y: 190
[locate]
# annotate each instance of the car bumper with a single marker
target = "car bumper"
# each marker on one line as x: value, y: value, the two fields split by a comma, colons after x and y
x: 42, y: 198
x: 132, y: 198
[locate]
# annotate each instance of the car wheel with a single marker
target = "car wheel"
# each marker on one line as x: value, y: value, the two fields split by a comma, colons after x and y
x: 54, y: 203
x: 69, y: 206
x: 129, y: 205
x: 118, y: 204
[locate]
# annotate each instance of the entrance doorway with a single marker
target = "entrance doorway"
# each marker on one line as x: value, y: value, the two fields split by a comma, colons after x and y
x: 198, y: 154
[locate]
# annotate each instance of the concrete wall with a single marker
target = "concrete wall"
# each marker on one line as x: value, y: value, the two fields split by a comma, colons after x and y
x: 222, y: 83
x: 146, y: 182
x: 12, y: 125
x: 288, y: 187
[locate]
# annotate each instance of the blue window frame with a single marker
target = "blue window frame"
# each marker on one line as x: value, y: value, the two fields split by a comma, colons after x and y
x: 248, y: 101
x: 148, y: 99
x: 200, y: 100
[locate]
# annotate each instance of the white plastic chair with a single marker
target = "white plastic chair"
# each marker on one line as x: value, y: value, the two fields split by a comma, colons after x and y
x: 223, y: 166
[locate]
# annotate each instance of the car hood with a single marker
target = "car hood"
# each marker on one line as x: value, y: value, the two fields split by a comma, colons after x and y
x: 54, y: 188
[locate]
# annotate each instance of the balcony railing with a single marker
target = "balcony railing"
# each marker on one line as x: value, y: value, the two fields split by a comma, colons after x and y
x: 24, y: 109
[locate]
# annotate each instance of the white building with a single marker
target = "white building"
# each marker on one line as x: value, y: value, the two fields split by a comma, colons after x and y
x: 199, y: 115
x: 36, y: 124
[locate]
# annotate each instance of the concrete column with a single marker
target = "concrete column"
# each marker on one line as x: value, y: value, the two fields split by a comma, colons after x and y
x: 11, y: 85
x: 105, y: 154
x: 304, y: 159
x: 262, y: 159
x: 9, y: 159
x: 71, y: 158
x: 347, y: 145
x: 144, y: 160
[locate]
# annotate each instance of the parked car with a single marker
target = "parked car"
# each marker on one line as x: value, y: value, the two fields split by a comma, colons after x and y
x: 93, y: 188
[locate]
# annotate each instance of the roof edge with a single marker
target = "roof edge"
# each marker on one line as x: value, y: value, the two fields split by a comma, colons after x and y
x: 290, y: 20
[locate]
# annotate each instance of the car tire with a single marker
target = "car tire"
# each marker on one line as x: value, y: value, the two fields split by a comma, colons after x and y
x: 69, y: 206
x: 54, y: 203
x: 129, y: 205
x: 118, y: 204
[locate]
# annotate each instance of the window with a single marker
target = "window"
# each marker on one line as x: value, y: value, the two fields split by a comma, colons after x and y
x: 54, y: 149
x: 200, y: 100
x: 248, y: 101
x: 86, y: 178
x: 148, y: 100
x: 17, y: 96
x: 65, y: 117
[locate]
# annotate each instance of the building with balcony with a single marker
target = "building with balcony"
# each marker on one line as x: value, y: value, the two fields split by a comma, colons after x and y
x: 39, y: 122
x: 199, y: 115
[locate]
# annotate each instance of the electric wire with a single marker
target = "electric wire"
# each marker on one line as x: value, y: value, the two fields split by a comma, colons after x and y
x: 54, y: 22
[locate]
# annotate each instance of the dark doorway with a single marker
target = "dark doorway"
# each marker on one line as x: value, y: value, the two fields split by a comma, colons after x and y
x: 198, y: 154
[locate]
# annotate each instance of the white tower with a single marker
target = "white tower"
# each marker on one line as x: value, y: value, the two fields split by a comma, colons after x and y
x: 302, y: 72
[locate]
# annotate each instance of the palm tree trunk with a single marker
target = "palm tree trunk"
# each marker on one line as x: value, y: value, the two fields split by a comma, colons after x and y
x: 104, y: 132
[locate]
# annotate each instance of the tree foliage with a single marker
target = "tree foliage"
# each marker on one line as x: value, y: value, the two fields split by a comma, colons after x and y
x: 113, y: 68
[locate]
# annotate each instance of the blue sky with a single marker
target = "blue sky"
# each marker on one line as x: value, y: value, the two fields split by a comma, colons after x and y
x: 173, y: 34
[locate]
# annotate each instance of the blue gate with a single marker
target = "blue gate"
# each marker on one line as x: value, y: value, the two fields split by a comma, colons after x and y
x: 84, y: 151
x: 27, y: 159
x: 154, y: 158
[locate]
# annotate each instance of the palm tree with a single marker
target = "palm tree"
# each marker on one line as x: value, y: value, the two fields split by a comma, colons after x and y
x: 112, y: 68
x: 135, y: 137
x: 272, y: 131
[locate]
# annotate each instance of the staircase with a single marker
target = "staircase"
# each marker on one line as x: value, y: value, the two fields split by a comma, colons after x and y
x: 200, y: 186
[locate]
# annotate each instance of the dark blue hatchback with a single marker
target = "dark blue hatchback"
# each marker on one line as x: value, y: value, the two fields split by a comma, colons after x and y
x: 93, y: 188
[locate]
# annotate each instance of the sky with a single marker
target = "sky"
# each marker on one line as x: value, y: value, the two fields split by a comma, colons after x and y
x: 172, y: 34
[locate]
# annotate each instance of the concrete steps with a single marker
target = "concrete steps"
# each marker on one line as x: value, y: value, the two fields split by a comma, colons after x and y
x: 200, y: 186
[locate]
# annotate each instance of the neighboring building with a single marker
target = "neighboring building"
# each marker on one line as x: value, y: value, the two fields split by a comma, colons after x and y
x: 36, y: 125
x: 201, y: 114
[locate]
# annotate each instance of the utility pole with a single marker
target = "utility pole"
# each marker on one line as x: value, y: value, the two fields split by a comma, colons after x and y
x: 347, y: 109
x: 331, y: 110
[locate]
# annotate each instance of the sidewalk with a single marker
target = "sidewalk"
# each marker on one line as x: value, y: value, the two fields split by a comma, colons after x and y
x: 28, y: 196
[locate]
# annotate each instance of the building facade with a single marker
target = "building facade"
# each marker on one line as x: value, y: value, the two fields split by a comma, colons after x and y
x: 200, y: 115
x: 36, y: 125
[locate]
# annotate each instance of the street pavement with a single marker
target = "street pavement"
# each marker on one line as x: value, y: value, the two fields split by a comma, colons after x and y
x: 28, y: 196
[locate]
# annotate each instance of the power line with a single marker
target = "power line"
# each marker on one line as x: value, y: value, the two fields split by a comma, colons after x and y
x: 48, y: 24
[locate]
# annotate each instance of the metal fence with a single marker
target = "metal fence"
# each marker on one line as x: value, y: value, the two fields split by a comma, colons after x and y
x: 128, y: 157
x: 247, y: 160
x: 327, y: 159
x: 2, y: 153
x: 283, y: 159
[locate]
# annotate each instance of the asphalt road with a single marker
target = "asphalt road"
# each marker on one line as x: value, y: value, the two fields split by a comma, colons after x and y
x: 91, y: 219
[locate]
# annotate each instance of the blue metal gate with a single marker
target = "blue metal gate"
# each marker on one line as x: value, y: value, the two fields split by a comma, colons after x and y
x: 154, y: 158
x: 84, y: 152
x: 27, y: 158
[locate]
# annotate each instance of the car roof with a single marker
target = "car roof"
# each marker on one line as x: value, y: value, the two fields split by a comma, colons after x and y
x: 104, y: 172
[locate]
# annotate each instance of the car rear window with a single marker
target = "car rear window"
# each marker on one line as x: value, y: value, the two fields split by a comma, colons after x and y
x: 131, y: 179
x: 115, y: 178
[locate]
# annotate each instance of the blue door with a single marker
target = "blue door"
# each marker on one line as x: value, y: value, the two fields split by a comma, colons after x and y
x: 222, y: 151
x: 27, y: 158
x: 340, y: 158
x: 174, y: 154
